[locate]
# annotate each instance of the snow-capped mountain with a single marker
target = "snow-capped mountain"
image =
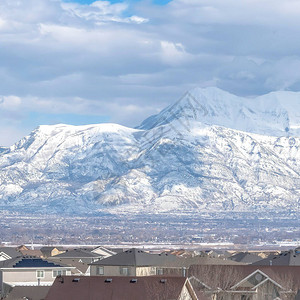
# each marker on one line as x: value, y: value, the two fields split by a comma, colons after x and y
x: 210, y: 151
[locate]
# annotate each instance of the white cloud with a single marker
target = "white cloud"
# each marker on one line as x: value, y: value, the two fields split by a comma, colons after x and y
x: 9, y: 102
x: 173, y: 53
x: 126, y: 61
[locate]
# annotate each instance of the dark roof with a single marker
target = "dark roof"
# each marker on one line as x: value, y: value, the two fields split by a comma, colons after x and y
x: 77, y: 253
x: 137, y: 257
x: 200, y: 260
x: 245, y: 257
x: 27, y: 262
x: 285, y: 258
x: 298, y: 295
x: 28, y: 292
x: 116, y: 288
x: 10, y: 251
x: 80, y: 266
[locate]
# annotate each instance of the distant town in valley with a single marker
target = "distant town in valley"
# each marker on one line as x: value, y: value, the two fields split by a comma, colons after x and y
x: 219, y: 230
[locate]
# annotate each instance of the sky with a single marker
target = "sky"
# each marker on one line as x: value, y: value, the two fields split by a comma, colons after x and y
x: 84, y: 62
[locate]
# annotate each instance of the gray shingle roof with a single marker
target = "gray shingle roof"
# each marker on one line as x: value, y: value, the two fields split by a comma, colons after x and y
x: 10, y: 251
x: 286, y: 258
x: 245, y: 257
x: 80, y: 266
x: 137, y: 257
x: 28, y: 292
x: 77, y: 253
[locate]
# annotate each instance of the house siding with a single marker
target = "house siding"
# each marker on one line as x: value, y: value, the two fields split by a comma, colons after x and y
x: 27, y: 276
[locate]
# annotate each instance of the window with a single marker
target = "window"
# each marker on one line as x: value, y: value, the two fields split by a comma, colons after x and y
x: 245, y: 297
x: 100, y: 271
x: 159, y: 271
x: 40, y: 274
x: 124, y: 271
x: 56, y: 273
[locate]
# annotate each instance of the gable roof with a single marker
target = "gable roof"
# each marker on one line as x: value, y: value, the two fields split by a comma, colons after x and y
x: 81, y: 267
x: 28, y: 262
x: 117, y: 287
x: 264, y: 278
x: 28, y: 292
x: 245, y: 257
x: 228, y: 276
x: 47, y: 250
x: 36, y: 253
x: 137, y: 257
x: 77, y: 253
x: 10, y: 251
x: 285, y: 258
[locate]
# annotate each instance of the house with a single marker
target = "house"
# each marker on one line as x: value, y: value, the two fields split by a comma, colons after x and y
x: 79, y: 259
x: 134, y: 262
x: 22, y: 247
x: 81, y: 255
x: 29, y: 271
x: 256, y: 286
x: 121, y: 288
x: 247, y: 282
x: 80, y: 268
x: 285, y: 258
x: 31, y: 252
x: 51, y: 251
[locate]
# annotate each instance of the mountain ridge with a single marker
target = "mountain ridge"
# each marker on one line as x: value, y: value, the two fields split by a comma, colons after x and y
x: 179, y: 160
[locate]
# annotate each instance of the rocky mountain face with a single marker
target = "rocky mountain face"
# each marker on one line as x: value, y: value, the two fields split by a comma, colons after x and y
x: 210, y: 151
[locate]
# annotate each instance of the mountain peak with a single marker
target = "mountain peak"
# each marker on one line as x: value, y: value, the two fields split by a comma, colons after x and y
x: 274, y: 114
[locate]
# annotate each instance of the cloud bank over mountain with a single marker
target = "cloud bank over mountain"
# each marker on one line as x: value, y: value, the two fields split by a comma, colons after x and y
x: 122, y: 62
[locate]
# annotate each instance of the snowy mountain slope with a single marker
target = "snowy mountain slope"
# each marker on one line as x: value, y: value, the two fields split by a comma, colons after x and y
x: 209, y: 151
x: 274, y: 114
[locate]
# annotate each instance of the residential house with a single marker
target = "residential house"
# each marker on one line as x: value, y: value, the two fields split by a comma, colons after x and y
x: 29, y: 271
x: 22, y: 247
x: 121, y: 288
x: 81, y: 255
x: 134, y: 262
x: 247, y: 282
x: 48, y: 251
x: 285, y: 258
x: 32, y: 252
x: 77, y: 258
x: 80, y: 268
